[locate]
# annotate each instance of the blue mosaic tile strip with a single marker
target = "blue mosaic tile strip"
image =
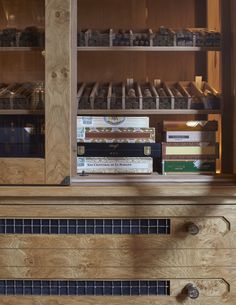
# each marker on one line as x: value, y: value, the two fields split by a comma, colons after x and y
x: 85, y: 226
x: 84, y: 288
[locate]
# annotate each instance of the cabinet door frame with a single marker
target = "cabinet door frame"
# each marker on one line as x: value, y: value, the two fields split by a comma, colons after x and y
x: 60, y: 91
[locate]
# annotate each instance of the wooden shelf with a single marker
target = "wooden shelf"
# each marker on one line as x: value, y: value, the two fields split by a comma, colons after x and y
x: 148, y: 49
x: 146, y: 112
x: 153, y: 178
x: 20, y: 49
x: 21, y: 112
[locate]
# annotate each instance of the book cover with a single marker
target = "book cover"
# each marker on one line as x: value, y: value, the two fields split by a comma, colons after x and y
x: 190, y: 136
x: 190, y: 125
x: 189, y: 166
x: 101, y: 165
x: 116, y: 135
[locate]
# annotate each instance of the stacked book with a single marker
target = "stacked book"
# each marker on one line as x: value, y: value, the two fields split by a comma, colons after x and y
x: 123, y: 145
x: 190, y: 147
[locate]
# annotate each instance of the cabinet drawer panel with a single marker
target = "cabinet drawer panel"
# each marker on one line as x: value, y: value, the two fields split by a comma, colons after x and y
x: 189, y: 291
x: 118, y: 258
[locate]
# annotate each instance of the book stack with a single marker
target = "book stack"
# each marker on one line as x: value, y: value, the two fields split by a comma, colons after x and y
x: 190, y: 147
x: 123, y: 145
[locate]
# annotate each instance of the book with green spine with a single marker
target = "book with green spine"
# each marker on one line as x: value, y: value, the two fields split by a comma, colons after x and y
x: 189, y: 166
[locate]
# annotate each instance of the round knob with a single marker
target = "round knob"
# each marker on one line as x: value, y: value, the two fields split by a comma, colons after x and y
x: 192, y: 291
x: 193, y: 229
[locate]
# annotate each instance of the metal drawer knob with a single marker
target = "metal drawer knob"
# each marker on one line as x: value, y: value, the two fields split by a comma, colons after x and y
x: 192, y: 291
x: 193, y: 229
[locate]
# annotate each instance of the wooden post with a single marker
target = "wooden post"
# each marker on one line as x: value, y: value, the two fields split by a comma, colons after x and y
x: 60, y: 87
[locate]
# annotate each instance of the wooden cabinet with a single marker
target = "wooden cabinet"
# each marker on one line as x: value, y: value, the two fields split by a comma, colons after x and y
x: 79, y: 239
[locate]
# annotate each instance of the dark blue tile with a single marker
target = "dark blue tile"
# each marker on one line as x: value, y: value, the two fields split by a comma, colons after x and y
x: 54, y: 230
x: 19, y: 290
x: 63, y: 230
x: 28, y: 283
x: 19, y: 229
x: 63, y: 222
x: 10, y: 222
x: 63, y: 290
x: 90, y: 291
x: 126, y: 230
x: 144, y: 230
x: 72, y: 222
x: 81, y: 222
x: 108, y: 284
x: 143, y: 290
x: 162, y: 222
x: 108, y: 230
x: 117, y: 222
x: 90, y: 230
x: 99, y: 222
x: 98, y: 284
x: 90, y: 222
x: 135, y: 222
x: 2, y: 229
x: 27, y: 222
x: 9, y: 230
x: 2, y: 290
x: 36, y: 229
x: 153, y: 291
x: 10, y: 283
x: 99, y: 230
x: 81, y: 230
x: 126, y: 290
x: 72, y: 290
x: 27, y: 230
x: 117, y: 230
x: 72, y: 283
x: 28, y: 290
x: 135, y: 291
x: 144, y: 222
x: 153, y: 222
x: 90, y: 283
x: 117, y: 283
x: 162, y: 290
x: 134, y: 230
x: 36, y: 222
x: 19, y: 283
x: 46, y: 290
x: 81, y: 283
x: 153, y: 230
x: 37, y: 290
x: 45, y: 230
x: 46, y: 283
x: 108, y: 222
x: 63, y: 283
x: 19, y: 222
x: 72, y: 230
x: 144, y: 283
x: 55, y: 291
x: 162, y: 230
x: 116, y: 290
x: 2, y: 222
x: 99, y: 290
x: 54, y: 222
x: 81, y: 291
x: 108, y: 290
x: 126, y: 222
x: 36, y: 283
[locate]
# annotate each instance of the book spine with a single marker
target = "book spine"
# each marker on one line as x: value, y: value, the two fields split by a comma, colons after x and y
x: 190, y: 136
x: 105, y: 122
x: 190, y: 151
x: 189, y: 166
x: 115, y: 165
x: 190, y: 126
x: 116, y: 135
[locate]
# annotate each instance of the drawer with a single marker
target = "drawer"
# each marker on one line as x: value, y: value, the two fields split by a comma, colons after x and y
x: 197, y: 291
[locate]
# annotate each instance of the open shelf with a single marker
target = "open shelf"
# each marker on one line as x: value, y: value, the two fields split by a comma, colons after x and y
x: 20, y: 49
x: 149, y: 49
x: 153, y: 178
x: 147, y: 112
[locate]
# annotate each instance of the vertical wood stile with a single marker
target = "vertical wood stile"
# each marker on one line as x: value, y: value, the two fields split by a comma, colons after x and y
x: 60, y: 88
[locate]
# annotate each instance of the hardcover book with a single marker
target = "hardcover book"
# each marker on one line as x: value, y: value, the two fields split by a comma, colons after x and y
x: 152, y: 150
x: 116, y: 135
x: 112, y: 121
x: 190, y: 125
x: 190, y: 150
x: 189, y: 166
x: 101, y: 165
x: 190, y: 136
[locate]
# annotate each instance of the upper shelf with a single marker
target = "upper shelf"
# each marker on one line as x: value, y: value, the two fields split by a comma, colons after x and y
x: 20, y: 49
x: 149, y: 49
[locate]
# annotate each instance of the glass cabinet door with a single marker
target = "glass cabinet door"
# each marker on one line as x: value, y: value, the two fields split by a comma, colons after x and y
x: 30, y: 111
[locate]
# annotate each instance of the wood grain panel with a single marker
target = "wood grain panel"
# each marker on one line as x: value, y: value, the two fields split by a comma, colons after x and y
x: 185, y: 193
x: 119, y: 211
x: 60, y: 46
x: 117, y: 258
x: 112, y: 300
x: 22, y: 171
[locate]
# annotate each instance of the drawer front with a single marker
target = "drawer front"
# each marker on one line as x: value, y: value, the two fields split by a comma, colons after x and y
x: 190, y: 247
